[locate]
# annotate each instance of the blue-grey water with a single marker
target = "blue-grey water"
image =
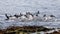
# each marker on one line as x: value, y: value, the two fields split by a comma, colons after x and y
x: 16, y: 6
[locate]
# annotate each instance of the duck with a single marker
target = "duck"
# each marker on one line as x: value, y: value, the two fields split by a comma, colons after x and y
x: 29, y: 16
x: 10, y: 17
x: 18, y: 15
x: 22, y: 17
x: 47, y: 18
x: 34, y: 16
x: 26, y: 17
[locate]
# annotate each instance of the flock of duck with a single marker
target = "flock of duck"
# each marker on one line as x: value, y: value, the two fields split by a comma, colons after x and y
x: 29, y: 17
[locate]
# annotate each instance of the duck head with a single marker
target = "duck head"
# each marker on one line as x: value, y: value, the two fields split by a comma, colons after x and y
x: 21, y: 14
x: 16, y: 16
x: 37, y: 13
x: 7, y: 16
x: 52, y: 16
x: 44, y: 15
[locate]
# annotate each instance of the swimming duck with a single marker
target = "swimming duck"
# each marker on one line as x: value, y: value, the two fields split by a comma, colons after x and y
x: 47, y: 18
x: 10, y: 17
x: 29, y: 16
x: 23, y: 18
x: 26, y: 17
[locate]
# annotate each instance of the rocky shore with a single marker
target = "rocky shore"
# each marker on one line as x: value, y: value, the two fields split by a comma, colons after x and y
x: 24, y: 29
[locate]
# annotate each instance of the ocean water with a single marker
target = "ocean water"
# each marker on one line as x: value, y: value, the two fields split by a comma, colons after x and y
x: 12, y: 7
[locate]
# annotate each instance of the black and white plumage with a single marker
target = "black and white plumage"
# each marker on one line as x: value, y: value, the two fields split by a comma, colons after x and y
x: 10, y: 17
x: 52, y: 16
x: 48, y: 18
x: 29, y: 16
x: 7, y: 16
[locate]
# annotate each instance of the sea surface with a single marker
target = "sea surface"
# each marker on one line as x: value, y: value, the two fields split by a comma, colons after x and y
x: 12, y: 7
